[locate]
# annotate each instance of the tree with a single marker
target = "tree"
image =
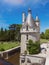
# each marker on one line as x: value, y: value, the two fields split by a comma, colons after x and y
x: 6, y: 35
x: 47, y: 34
x: 11, y: 34
x: 18, y: 35
x: 33, y: 47
x: 42, y: 35
x: 1, y: 34
x: 14, y: 31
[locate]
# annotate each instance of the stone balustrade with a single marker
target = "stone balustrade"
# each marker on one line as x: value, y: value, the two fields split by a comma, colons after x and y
x: 31, y: 60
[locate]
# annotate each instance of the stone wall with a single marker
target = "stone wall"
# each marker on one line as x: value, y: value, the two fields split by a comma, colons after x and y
x: 31, y: 60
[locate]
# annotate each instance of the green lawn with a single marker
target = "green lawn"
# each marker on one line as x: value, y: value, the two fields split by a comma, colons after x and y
x: 8, y: 45
x: 43, y: 40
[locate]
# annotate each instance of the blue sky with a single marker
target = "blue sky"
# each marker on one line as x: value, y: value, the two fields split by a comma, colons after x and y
x: 11, y: 12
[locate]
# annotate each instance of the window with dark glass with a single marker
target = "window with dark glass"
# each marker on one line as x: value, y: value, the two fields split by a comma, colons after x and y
x: 27, y: 36
x: 23, y: 60
x: 26, y: 27
x: 33, y: 28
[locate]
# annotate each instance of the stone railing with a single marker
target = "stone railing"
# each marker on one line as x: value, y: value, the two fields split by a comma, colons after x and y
x: 31, y: 60
x: 6, y: 54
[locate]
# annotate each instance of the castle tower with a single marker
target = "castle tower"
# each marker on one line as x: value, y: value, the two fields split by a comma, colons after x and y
x: 30, y: 30
x: 38, y: 26
x: 23, y: 18
x: 37, y: 23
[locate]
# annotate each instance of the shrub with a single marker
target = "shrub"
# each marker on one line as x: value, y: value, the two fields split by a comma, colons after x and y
x: 2, y: 49
x: 33, y: 47
x: 25, y: 52
x: 1, y: 42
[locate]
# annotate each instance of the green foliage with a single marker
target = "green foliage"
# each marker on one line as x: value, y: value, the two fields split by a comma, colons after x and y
x: 42, y: 35
x: 33, y: 47
x: 2, y: 49
x: 11, y: 34
x: 47, y: 34
x: 30, y: 41
x: 8, y: 45
x: 18, y: 35
x: 43, y: 41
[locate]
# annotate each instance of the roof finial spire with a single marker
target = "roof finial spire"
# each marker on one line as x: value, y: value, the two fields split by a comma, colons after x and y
x: 29, y: 10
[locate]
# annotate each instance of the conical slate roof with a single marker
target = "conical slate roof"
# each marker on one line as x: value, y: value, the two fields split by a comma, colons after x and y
x: 30, y: 20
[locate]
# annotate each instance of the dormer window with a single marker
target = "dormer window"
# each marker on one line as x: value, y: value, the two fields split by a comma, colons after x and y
x: 33, y: 28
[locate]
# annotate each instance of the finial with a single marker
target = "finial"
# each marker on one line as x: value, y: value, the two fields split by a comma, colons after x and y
x: 29, y: 10
x: 23, y: 12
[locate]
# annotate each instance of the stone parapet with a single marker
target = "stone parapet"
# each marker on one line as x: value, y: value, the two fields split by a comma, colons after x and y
x: 31, y: 60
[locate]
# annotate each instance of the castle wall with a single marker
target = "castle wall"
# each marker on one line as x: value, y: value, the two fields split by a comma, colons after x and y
x: 32, y: 36
x: 32, y: 60
x: 23, y: 43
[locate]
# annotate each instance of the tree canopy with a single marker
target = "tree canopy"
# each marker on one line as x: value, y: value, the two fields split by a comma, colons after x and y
x: 11, y: 34
x: 33, y: 47
x: 45, y: 35
x: 42, y: 35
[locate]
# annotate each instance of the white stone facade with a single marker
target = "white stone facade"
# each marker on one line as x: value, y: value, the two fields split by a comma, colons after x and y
x: 30, y: 30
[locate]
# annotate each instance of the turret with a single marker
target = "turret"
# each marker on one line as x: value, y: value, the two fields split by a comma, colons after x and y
x: 29, y: 19
x: 23, y: 18
x: 37, y: 21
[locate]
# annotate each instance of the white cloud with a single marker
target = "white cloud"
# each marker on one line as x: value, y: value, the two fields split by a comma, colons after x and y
x: 13, y: 2
x: 38, y: 2
x: 25, y: 2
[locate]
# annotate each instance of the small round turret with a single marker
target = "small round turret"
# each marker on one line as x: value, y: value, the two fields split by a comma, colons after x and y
x: 23, y: 17
x: 29, y: 19
x: 37, y: 19
x: 37, y: 23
